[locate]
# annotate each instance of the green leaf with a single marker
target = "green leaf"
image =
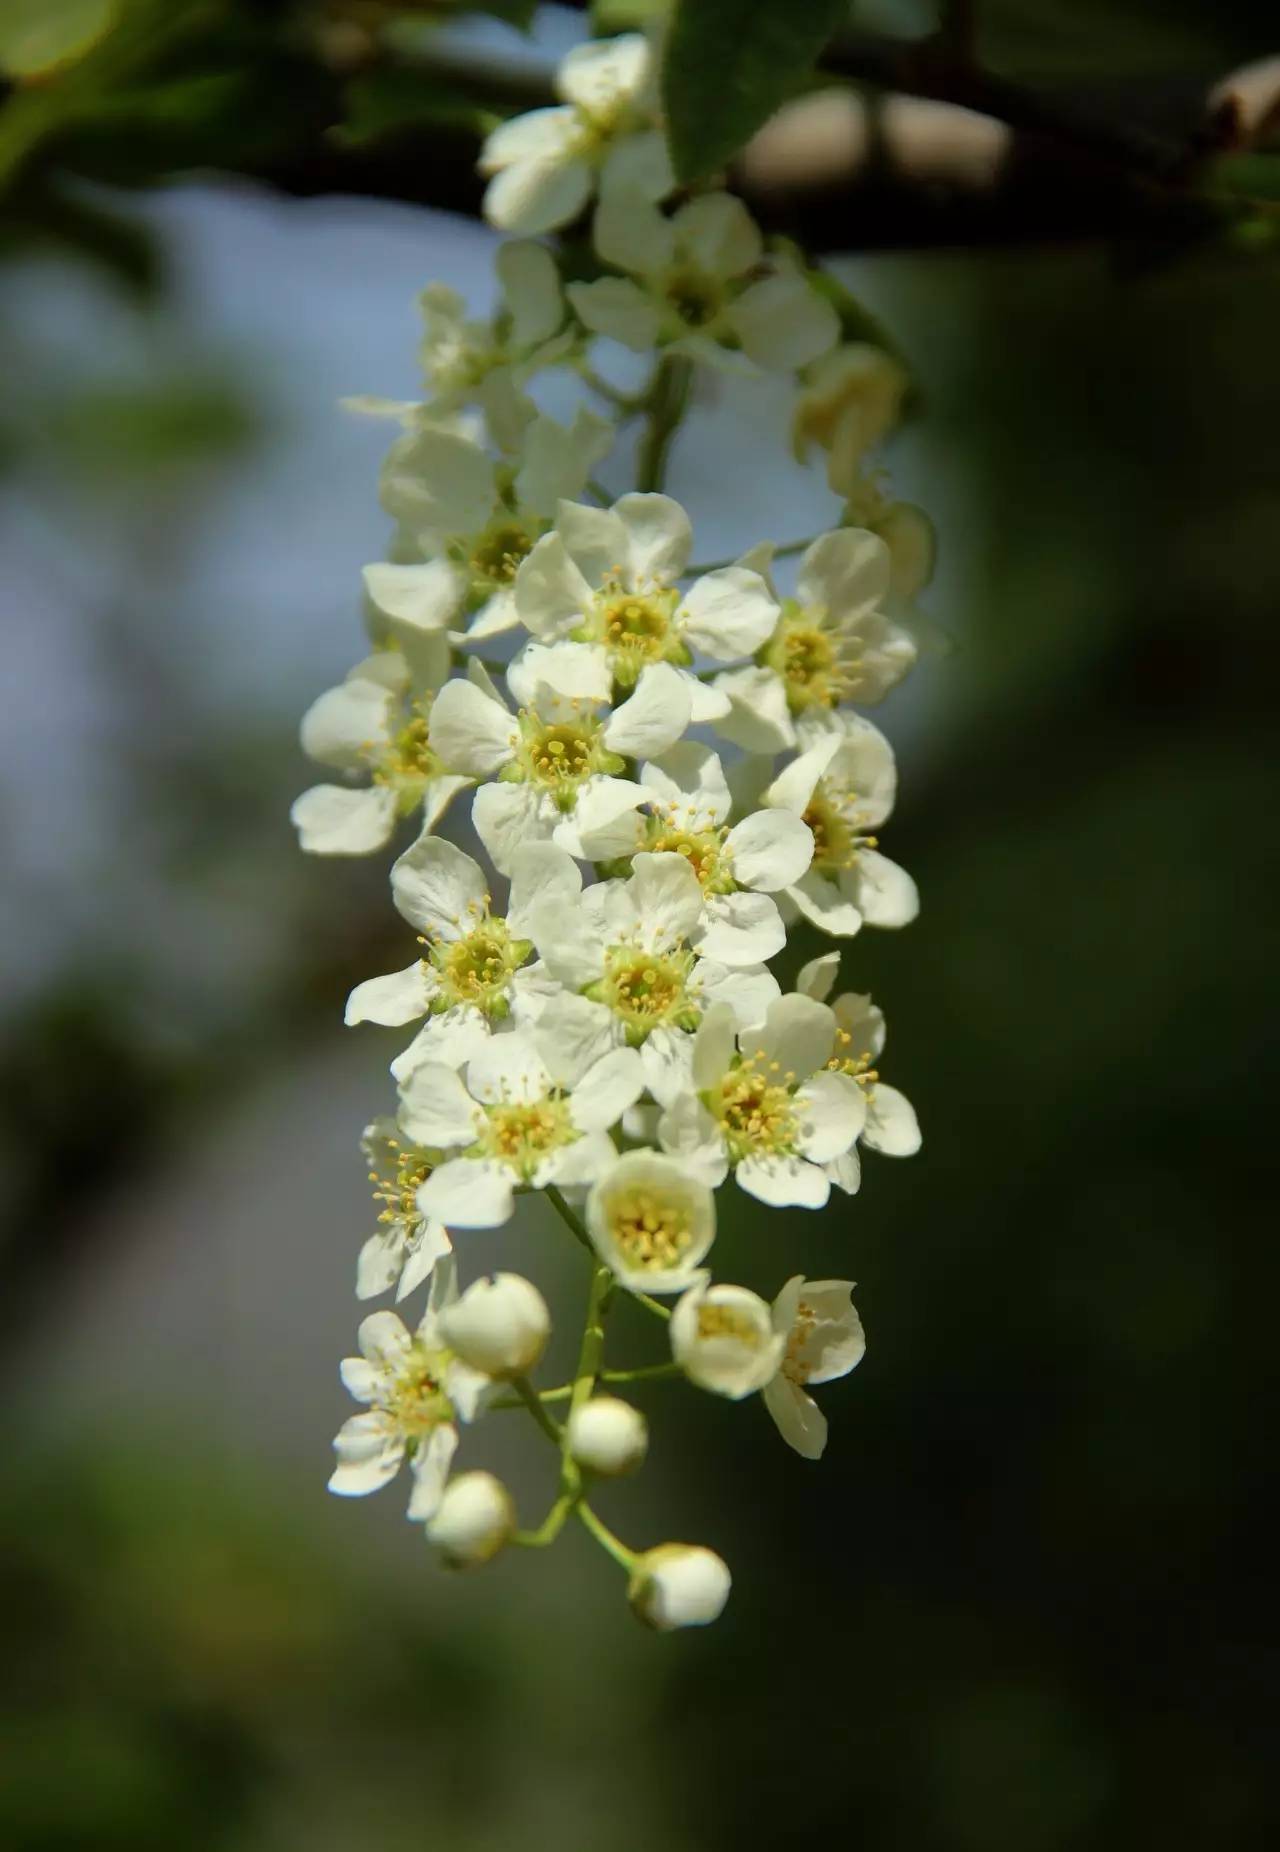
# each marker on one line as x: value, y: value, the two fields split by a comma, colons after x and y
x: 729, y: 64
x: 387, y: 102
x: 36, y: 36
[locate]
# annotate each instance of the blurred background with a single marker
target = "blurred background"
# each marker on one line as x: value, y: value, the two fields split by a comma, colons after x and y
x: 1025, y: 1603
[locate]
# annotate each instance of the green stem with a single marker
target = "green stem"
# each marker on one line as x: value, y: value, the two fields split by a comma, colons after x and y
x: 783, y: 552
x: 667, y: 400
x: 601, y: 494
x: 551, y: 1525
x: 652, y: 1305
x: 533, y: 1402
x: 571, y: 1219
x: 605, y: 1538
x: 628, y: 403
x: 651, y: 1372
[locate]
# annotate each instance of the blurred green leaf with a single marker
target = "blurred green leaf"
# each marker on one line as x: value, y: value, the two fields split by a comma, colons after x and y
x: 385, y: 102
x: 729, y: 65
x: 38, y: 35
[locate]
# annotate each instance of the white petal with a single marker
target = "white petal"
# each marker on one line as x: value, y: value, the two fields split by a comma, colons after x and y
x: 430, y: 1469
x: 439, y: 480
x: 863, y: 1023
x: 569, y: 941
x: 579, y: 1164
x: 835, y: 1342
x: 846, y: 570
x: 447, y: 1040
x: 383, y: 1340
x: 426, y: 597
x: 369, y: 1454
x: 741, y: 929
x: 758, y: 719
x: 435, y: 1107
x: 536, y: 196
x: 604, y: 1092
x: 631, y: 234
x: 535, y: 135
x: 719, y: 234
x: 884, y: 893
x: 846, y: 1171
x: 783, y: 322
x: 378, y: 1264
x: 667, y: 897
x: 796, y: 783
x: 714, y: 1046
x: 471, y: 732
x: 654, y: 718
x: 509, y: 1069
x: 431, y: 1244
x: 782, y: 1182
x: 638, y: 164
x: 595, y: 537
x: 557, y: 678
x: 688, y: 1132
x: 605, y: 817
x: 749, y: 990
x: 771, y: 850
x: 603, y: 72
x: 342, y: 726
x: 706, y: 703
x: 618, y: 309
x: 689, y: 781
x: 469, y: 1193
x: 817, y: 977
x: 506, y: 816
x: 666, y: 1057
x: 439, y: 889
x: 659, y: 538
x: 822, y: 903
x: 573, y: 1033
x: 798, y: 1033
x: 728, y: 613
x: 541, y: 874
x: 892, y: 1126
x: 331, y: 820
x: 797, y: 1416
x: 530, y: 283
x: 438, y: 794
x: 551, y: 594
x: 556, y: 461
x: 832, y: 1110
x: 401, y: 996
x: 494, y: 617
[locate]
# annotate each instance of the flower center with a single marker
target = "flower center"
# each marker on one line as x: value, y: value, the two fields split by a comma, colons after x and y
x: 522, y: 1133
x: 647, y: 989
x: 722, y: 1321
x: 704, y: 851
x: 414, y: 1395
x: 652, y: 1229
x: 794, y: 1368
x: 756, y: 1111
x: 497, y: 553
x: 857, y: 1067
x: 408, y: 760
x: 635, y: 627
x: 560, y: 755
x: 477, y: 969
x: 696, y: 298
x: 836, y: 840
x: 397, y: 1190
x: 803, y: 651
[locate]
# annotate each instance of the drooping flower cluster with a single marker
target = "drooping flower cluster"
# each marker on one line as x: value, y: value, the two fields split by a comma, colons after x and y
x: 665, y: 771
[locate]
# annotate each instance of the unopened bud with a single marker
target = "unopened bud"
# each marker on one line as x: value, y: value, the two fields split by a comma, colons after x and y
x: 679, y: 1585
x: 474, y: 1519
x: 608, y: 1435
x: 500, y: 1325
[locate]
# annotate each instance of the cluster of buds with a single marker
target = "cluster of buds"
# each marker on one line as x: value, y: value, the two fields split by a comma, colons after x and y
x: 665, y: 771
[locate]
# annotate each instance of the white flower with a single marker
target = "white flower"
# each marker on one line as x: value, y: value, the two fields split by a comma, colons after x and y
x: 769, y: 1109
x: 833, y: 643
x: 626, y: 950
x: 415, y: 1391
x: 377, y: 724
x: 608, y: 1436
x: 891, y: 1126
x: 679, y: 1585
x: 724, y: 1340
x: 526, y: 1117
x: 849, y: 402
x: 463, y: 361
x: 500, y: 1325
x: 407, y: 1244
x: 822, y: 1336
x: 700, y: 284
x: 471, y: 520
x: 843, y: 785
x: 609, y: 576
x: 475, y: 1519
x: 564, y: 743
x: 651, y: 1222
x: 738, y: 867
x: 544, y: 165
x: 473, y: 975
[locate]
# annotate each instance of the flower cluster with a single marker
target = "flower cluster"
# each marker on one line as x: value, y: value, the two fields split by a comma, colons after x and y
x: 665, y: 770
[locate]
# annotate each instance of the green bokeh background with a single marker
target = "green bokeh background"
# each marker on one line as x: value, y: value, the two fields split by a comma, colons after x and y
x: 1025, y: 1603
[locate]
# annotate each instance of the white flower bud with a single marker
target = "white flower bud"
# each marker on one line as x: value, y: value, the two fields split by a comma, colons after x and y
x: 499, y: 1325
x: 473, y: 1521
x: 679, y: 1585
x: 608, y: 1435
